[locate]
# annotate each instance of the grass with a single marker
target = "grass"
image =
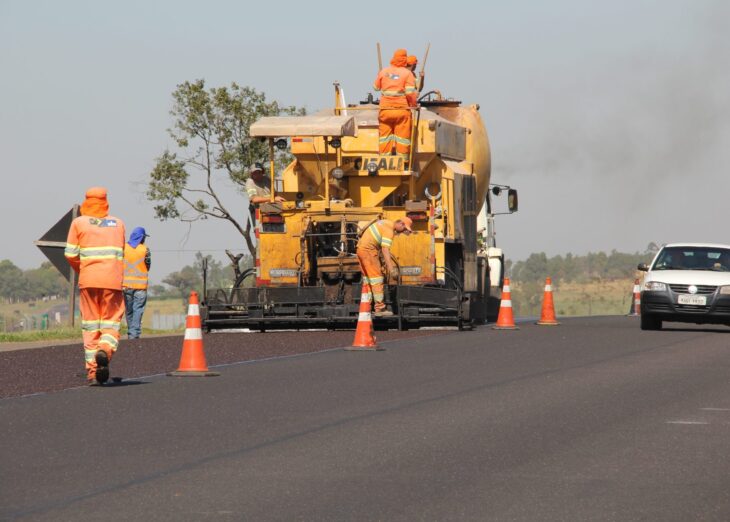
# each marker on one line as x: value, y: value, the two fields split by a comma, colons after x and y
x: 575, y: 299
x: 12, y: 313
x: 571, y: 299
x: 56, y: 334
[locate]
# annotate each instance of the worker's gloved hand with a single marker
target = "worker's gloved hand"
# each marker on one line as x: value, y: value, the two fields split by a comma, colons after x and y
x: 393, y: 275
x: 279, y: 199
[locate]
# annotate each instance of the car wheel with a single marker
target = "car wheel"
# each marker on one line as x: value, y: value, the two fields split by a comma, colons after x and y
x: 649, y: 322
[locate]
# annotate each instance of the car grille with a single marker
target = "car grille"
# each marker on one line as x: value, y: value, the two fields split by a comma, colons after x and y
x: 722, y: 309
x: 701, y: 289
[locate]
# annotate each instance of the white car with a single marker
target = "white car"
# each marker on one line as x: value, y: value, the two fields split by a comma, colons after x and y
x: 686, y: 282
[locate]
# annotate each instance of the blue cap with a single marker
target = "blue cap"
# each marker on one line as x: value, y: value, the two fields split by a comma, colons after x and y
x: 137, y: 236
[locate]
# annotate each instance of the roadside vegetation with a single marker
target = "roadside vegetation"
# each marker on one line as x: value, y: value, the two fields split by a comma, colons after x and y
x: 594, y: 284
x: 34, y: 303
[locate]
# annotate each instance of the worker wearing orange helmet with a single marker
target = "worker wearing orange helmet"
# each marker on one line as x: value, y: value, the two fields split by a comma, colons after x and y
x: 397, y: 86
x: 376, y: 239
x: 95, y: 250
x: 411, y: 62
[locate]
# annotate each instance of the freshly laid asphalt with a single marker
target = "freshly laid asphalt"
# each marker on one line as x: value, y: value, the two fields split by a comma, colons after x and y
x: 590, y: 420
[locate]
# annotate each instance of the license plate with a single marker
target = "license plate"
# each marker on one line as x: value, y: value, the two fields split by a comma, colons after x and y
x: 697, y: 300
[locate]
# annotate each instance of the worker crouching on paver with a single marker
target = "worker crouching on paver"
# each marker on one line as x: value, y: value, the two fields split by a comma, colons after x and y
x: 377, y: 238
x: 95, y: 250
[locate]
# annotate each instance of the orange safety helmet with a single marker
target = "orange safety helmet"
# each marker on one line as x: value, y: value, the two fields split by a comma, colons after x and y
x: 400, y: 58
x: 412, y: 60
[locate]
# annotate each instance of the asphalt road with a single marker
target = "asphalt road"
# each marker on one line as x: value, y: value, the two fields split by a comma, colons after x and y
x: 591, y: 420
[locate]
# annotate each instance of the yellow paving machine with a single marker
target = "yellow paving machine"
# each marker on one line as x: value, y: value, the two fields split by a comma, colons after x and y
x: 306, y: 272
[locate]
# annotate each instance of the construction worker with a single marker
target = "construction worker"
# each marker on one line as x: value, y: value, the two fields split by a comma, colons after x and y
x: 412, y: 62
x: 377, y: 238
x: 258, y: 186
x: 137, y: 262
x: 398, y: 93
x: 95, y: 250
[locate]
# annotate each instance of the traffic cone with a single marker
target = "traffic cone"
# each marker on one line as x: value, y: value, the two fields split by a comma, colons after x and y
x: 505, y: 320
x: 364, y: 337
x: 192, y: 359
x: 547, y: 317
x: 635, y: 308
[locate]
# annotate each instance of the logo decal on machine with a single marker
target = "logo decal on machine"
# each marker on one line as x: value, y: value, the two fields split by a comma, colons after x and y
x: 384, y: 163
x: 282, y: 272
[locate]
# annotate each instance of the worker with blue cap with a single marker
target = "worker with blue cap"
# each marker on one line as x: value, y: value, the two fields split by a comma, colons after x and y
x: 137, y: 262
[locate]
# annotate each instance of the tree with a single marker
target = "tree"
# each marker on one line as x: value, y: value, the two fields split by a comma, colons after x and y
x: 211, y: 131
x: 46, y: 281
x: 185, y: 281
x: 13, y: 284
x: 218, y: 276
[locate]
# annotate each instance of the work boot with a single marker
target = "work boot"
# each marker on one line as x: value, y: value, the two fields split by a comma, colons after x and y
x: 383, y: 313
x: 102, y: 366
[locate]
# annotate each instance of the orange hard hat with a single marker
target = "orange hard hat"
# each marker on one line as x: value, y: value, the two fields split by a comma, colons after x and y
x: 400, y: 58
x: 412, y: 60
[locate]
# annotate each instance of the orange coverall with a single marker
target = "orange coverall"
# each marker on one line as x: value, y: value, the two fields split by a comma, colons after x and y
x: 398, y: 92
x: 95, y: 250
x: 379, y: 235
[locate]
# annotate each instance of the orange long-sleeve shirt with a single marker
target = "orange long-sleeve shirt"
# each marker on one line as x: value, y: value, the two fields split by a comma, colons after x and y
x: 397, y: 86
x: 95, y: 250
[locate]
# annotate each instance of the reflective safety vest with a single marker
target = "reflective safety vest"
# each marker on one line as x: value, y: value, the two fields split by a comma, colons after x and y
x: 95, y: 249
x: 135, y: 269
x: 377, y: 236
x: 397, y: 87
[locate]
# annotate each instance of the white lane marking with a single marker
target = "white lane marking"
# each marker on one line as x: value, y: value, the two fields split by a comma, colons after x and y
x: 715, y: 409
x: 687, y: 422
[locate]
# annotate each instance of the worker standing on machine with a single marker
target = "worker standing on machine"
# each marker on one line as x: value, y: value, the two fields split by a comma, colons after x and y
x: 377, y: 238
x: 397, y: 86
x: 412, y: 62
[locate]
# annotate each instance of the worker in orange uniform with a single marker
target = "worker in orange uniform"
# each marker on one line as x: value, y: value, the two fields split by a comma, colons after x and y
x: 377, y: 238
x: 397, y: 87
x: 411, y: 63
x: 137, y: 262
x: 95, y: 250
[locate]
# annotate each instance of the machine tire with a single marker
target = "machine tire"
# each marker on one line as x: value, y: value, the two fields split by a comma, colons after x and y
x: 650, y: 322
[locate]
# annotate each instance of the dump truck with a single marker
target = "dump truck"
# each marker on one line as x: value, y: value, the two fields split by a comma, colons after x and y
x: 306, y: 272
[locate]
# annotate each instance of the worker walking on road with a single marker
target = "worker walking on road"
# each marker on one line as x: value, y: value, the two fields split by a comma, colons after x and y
x: 95, y: 250
x: 137, y: 262
x: 398, y: 93
x: 377, y: 238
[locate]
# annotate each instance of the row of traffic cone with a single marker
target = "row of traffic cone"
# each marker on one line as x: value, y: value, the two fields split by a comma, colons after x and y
x: 193, y: 363
x: 505, y: 318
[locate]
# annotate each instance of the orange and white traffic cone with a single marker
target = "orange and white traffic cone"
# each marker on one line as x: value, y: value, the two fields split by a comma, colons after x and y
x: 364, y: 337
x: 192, y: 359
x: 635, y: 308
x: 547, y: 317
x: 505, y: 319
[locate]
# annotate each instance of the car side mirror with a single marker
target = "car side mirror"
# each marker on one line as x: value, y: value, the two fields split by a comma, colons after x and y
x: 643, y: 267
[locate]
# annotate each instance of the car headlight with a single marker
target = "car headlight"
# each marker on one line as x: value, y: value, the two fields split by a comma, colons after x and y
x: 655, y: 286
x: 725, y: 290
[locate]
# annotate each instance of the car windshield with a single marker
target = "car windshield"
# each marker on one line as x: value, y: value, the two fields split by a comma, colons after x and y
x: 693, y: 258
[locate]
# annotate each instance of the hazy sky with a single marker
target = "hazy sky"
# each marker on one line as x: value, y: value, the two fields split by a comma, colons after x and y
x: 610, y: 118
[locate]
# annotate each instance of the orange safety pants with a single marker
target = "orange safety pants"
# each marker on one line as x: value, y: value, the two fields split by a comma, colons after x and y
x: 395, y: 131
x: 372, y: 274
x: 101, y: 319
